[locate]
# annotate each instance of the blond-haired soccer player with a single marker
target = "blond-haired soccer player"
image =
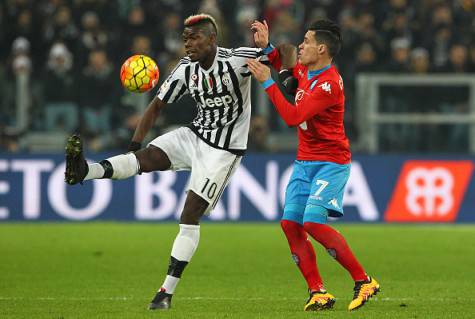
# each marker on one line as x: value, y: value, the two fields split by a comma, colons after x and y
x: 211, y: 147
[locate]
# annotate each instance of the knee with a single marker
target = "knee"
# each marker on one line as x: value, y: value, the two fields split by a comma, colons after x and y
x: 286, y: 225
x: 190, y: 218
x: 290, y: 227
x: 316, y: 230
x: 310, y: 227
x: 194, y: 208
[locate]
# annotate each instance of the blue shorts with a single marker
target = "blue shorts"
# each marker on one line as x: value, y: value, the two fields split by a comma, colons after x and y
x: 315, y: 191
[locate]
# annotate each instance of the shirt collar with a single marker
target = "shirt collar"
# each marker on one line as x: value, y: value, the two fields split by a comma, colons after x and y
x: 318, y: 72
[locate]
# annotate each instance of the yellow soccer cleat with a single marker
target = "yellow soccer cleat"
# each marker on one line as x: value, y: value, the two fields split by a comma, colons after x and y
x: 319, y: 300
x: 363, y: 291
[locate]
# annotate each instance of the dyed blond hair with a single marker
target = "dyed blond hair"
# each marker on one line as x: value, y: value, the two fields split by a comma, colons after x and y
x: 201, y: 18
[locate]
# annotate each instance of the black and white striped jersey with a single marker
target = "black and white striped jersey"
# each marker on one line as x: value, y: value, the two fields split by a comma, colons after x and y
x: 222, y: 95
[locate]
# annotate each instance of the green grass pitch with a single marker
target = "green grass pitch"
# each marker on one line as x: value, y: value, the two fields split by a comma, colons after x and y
x: 111, y: 270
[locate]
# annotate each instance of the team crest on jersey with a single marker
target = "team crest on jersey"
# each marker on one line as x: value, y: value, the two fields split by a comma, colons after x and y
x: 326, y: 87
x: 194, y: 79
x: 226, y: 79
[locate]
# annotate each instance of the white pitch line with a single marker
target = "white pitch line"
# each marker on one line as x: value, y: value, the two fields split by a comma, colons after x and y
x: 384, y: 299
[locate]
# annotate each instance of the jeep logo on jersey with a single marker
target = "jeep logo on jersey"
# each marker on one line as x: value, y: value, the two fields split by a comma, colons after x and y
x: 215, y: 100
x: 429, y: 191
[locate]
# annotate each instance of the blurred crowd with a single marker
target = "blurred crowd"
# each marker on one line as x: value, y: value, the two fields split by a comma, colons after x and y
x: 59, y: 59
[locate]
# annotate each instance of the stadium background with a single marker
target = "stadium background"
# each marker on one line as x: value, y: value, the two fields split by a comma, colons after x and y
x: 408, y: 68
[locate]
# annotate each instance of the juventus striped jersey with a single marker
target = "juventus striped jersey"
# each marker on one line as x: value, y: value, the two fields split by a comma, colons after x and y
x: 221, y: 93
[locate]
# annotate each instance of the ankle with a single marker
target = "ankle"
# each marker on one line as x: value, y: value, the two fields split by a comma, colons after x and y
x: 320, y: 290
x: 364, y: 280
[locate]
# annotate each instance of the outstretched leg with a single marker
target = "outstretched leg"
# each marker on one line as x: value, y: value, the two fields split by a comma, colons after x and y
x: 118, y: 167
x: 183, y: 249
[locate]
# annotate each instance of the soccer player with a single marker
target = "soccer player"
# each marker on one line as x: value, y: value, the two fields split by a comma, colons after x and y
x: 211, y: 147
x: 322, y: 168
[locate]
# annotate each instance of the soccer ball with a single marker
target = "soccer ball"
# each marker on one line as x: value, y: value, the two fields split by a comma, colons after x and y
x: 139, y: 73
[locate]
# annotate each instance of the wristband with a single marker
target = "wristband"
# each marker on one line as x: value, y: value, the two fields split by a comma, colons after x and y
x: 267, y: 83
x: 268, y: 49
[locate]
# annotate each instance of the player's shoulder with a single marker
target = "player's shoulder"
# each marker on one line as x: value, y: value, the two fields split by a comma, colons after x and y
x: 331, y: 74
x: 180, y: 68
x: 224, y: 53
x: 240, y: 52
x: 328, y: 86
x: 184, y: 61
x: 181, y: 64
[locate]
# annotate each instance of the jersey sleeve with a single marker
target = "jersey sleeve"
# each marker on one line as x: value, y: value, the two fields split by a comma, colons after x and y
x: 240, y: 55
x: 246, y: 53
x: 273, y: 56
x: 298, y: 70
x: 308, y: 104
x: 175, y: 86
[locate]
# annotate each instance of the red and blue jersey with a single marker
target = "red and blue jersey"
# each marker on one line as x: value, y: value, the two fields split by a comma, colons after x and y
x: 318, y: 112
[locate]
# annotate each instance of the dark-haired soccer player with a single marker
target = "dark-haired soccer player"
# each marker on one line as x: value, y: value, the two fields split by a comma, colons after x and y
x: 210, y: 147
x: 322, y: 168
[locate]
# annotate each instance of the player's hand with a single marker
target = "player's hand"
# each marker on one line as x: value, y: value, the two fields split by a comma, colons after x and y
x: 260, y: 71
x: 261, y: 33
x: 288, y: 55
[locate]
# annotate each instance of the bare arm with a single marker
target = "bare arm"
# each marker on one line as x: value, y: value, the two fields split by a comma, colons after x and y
x: 146, y: 122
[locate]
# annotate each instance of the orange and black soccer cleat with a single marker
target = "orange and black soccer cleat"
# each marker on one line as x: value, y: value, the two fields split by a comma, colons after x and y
x: 319, y: 300
x: 364, y: 290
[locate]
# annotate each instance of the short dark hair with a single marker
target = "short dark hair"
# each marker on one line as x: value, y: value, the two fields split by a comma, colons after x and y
x: 201, y: 19
x: 329, y: 33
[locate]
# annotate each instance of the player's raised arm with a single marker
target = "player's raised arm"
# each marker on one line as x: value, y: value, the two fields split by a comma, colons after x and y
x: 146, y: 122
x: 310, y: 104
x: 283, y: 58
x: 261, y: 39
x: 261, y: 33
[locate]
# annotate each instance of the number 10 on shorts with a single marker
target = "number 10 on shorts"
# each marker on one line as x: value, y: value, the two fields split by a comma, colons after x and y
x: 209, y: 189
